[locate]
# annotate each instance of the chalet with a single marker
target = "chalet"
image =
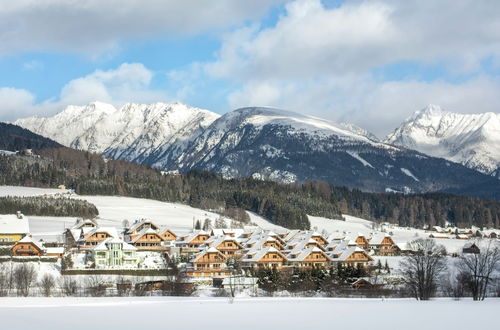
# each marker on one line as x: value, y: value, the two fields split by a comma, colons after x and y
x: 383, y: 245
x: 27, y: 247
x: 208, y: 263
x: 228, y: 246
x: 167, y: 235
x: 13, y: 227
x: 265, y: 257
x: 112, y: 253
x: 195, y: 239
x: 462, y: 236
x: 139, y: 226
x: 79, y: 229
x: 319, y: 238
x: 471, y: 247
x: 308, y: 258
x: 146, y: 239
x: 95, y: 236
x: 361, y: 241
x: 352, y: 255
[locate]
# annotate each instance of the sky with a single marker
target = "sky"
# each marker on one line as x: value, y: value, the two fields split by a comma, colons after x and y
x: 371, y: 63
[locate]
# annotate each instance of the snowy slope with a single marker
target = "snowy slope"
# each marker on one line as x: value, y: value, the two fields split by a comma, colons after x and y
x: 131, y: 132
x: 470, y: 139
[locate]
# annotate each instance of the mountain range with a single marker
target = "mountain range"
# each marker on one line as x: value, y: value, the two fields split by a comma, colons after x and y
x: 264, y: 143
x: 469, y: 139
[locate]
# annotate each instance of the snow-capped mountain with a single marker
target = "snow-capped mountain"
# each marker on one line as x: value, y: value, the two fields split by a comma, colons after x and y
x: 470, y: 139
x: 131, y: 132
x: 274, y: 144
x: 265, y: 143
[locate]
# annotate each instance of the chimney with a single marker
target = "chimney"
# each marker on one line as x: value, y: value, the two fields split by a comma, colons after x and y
x: 19, y: 215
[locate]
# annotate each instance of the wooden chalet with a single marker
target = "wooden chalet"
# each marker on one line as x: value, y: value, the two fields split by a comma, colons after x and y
x: 361, y: 241
x: 191, y: 243
x: 353, y: 255
x: 139, y: 226
x: 27, y: 247
x: 147, y: 239
x: 265, y: 257
x: 319, y: 238
x: 383, y: 245
x: 309, y: 257
x: 228, y: 246
x: 168, y: 235
x: 96, y: 236
x: 209, y: 263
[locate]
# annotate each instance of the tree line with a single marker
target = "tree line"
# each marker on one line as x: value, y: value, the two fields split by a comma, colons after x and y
x: 283, y: 204
x: 48, y: 206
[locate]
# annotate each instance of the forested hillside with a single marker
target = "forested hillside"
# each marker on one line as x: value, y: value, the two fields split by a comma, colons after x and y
x: 14, y: 138
x: 285, y: 205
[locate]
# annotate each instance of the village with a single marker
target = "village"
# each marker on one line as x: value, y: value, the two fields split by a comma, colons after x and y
x: 214, y: 258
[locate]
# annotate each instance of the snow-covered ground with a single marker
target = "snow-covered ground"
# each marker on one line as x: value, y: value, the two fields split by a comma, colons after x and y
x: 115, y: 209
x: 29, y: 191
x: 264, y: 223
x: 244, y: 313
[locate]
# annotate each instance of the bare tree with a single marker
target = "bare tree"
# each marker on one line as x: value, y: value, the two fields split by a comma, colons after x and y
x: 24, y: 277
x: 422, y: 268
x: 47, y: 283
x: 5, y: 281
x: 68, y: 286
x: 95, y: 285
x: 478, y: 270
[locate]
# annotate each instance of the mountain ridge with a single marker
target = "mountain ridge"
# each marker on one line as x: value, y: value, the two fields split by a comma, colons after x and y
x: 472, y: 140
x: 260, y: 142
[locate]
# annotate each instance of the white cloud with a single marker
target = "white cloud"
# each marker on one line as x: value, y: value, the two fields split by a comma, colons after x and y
x: 359, y: 35
x: 130, y: 82
x: 320, y: 61
x: 94, y: 26
x: 15, y: 103
x: 378, y: 107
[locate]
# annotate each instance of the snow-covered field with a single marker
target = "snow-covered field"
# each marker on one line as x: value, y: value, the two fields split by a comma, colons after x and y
x: 29, y: 191
x: 244, y: 313
x: 115, y: 209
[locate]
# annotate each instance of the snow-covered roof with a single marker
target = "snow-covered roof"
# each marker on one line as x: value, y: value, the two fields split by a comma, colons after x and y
x: 256, y: 254
x: 143, y: 232
x: 111, y: 231
x: 103, y: 246
x: 301, y: 255
x: 29, y: 239
x: 12, y: 224
x: 204, y: 252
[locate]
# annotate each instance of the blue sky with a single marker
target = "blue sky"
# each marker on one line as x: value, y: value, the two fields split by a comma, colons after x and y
x: 372, y: 63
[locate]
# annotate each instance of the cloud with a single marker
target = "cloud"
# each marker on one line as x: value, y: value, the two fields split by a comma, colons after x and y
x: 320, y: 60
x: 130, y: 82
x: 95, y: 26
x: 310, y: 39
x: 377, y: 106
x: 15, y: 103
